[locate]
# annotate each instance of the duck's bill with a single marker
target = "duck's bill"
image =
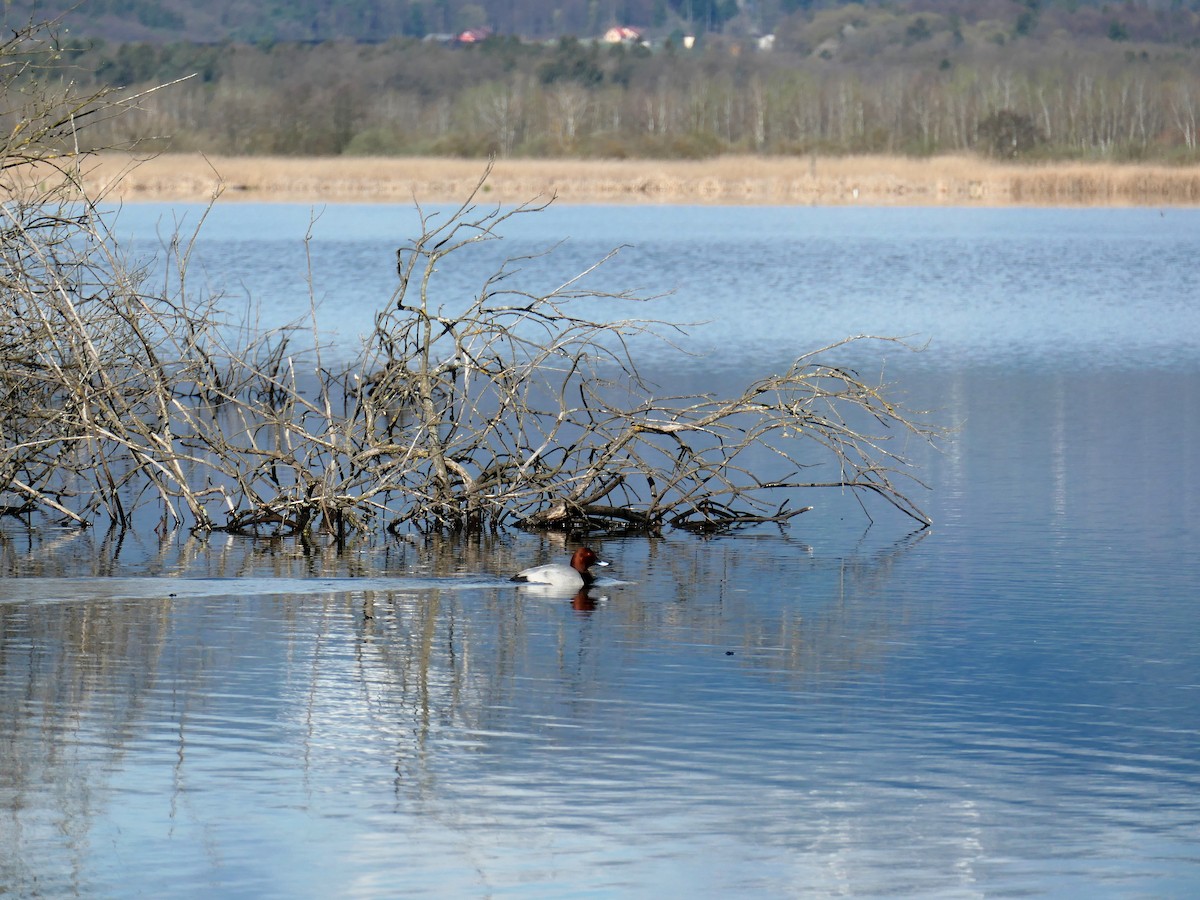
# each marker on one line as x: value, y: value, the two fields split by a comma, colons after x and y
x: 599, y: 562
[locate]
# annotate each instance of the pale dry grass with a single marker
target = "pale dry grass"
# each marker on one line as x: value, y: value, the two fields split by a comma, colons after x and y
x: 751, y: 180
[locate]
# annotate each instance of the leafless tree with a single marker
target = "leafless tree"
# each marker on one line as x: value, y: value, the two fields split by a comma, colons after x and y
x: 568, y: 104
x: 78, y: 343
x: 521, y: 407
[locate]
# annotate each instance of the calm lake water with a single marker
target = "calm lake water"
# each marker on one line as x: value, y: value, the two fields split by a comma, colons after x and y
x: 1005, y: 704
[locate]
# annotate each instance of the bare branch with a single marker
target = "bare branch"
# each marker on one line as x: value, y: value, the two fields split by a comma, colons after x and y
x: 511, y: 407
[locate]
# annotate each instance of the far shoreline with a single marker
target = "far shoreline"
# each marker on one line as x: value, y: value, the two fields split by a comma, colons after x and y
x: 728, y: 180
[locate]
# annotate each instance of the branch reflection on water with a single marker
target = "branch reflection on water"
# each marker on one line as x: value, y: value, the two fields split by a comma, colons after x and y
x: 311, y: 659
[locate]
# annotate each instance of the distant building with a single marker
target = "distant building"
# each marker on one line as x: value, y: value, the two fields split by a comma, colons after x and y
x: 474, y: 35
x: 622, y: 34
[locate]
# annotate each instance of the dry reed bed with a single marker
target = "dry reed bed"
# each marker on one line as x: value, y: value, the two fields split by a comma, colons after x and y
x: 864, y: 180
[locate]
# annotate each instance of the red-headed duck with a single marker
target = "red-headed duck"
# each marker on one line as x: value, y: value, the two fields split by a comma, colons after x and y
x: 576, y: 575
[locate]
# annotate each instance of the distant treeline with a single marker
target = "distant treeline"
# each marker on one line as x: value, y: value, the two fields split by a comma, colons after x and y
x: 843, y: 80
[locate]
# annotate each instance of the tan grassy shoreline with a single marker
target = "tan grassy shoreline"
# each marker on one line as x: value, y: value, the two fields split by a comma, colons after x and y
x: 749, y: 180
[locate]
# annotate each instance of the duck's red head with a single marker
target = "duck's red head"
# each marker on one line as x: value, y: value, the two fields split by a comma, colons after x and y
x: 583, y: 559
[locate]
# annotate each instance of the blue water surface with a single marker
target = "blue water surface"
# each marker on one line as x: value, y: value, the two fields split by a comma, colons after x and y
x: 1005, y: 704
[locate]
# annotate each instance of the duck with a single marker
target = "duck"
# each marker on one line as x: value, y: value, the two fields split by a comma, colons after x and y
x: 576, y: 575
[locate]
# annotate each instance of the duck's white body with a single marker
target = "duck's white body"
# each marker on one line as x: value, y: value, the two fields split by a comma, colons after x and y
x: 576, y: 575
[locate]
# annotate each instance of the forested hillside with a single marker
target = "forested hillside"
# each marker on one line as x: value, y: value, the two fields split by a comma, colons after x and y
x: 1169, y: 21
x: 1030, y: 79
